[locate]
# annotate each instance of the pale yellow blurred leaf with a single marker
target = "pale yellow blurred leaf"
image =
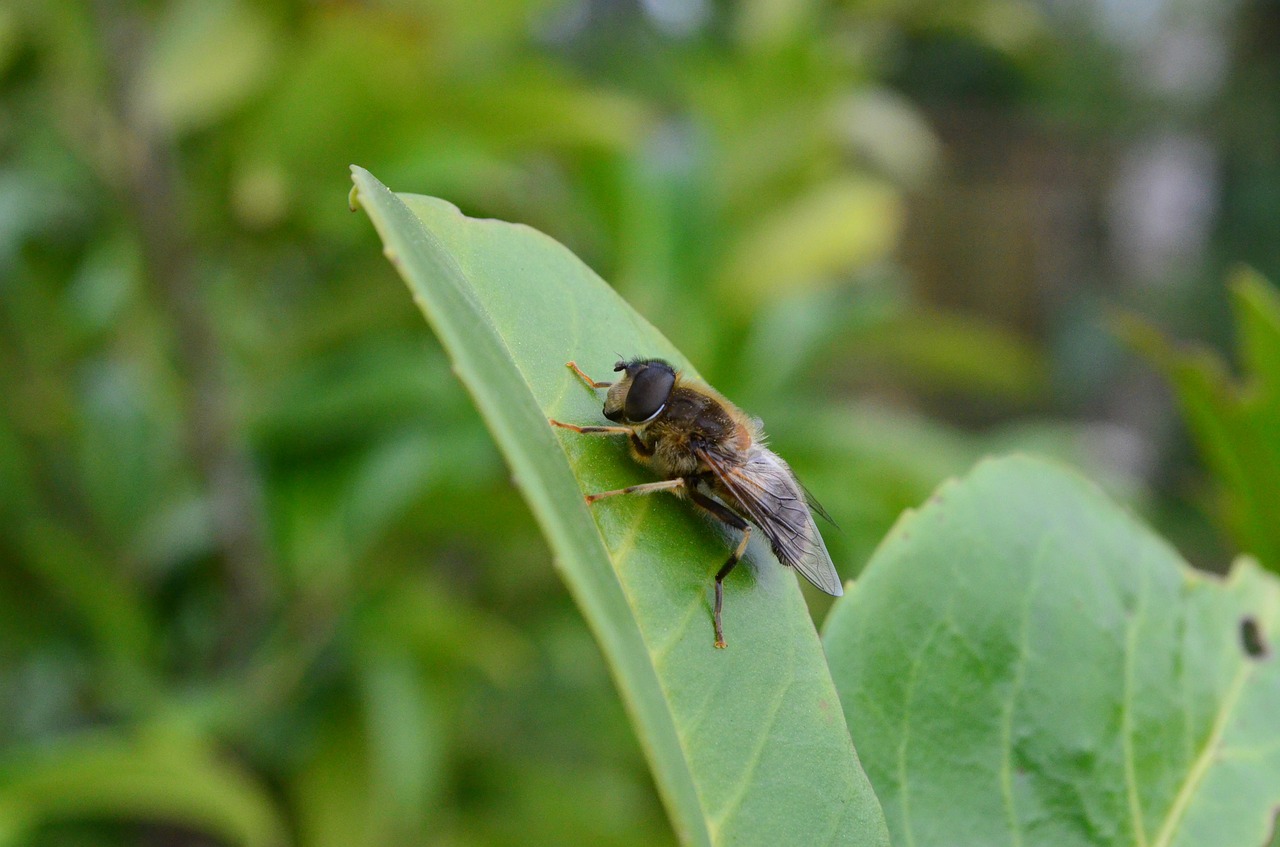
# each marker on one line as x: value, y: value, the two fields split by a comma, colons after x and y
x: 815, y: 241
x: 208, y: 57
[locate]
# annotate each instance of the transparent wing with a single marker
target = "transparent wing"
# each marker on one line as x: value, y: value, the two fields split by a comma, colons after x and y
x: 767, y: 493
x: 815, y: 506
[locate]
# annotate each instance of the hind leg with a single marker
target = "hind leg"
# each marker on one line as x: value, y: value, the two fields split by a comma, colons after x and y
x: 723, y: 513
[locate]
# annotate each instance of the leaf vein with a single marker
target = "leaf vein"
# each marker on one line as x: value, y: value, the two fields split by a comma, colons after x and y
x: 1200, y: 768
x: 904, y: 735
x: 1019, y: 677
x: 1126, y: 706
x: 753, y: 761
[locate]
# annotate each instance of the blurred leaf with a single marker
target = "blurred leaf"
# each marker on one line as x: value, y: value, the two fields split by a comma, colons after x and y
x: 1257, y: 310
x: 106, y: 604
x: 540, y: 805
x: 813, y: 242
x: 534, y: 105
x: 104, y: 284
x: 443, y: 629
x: 511, y: 307
x: 772, y: 23
x: 386, y: 85
x: 1023, y: 663
x: 787, y: 339
x: 30, y: 202
x: 209, y: 56
x: 10, y: 38
x: 404, y: 731
x: 1235, y: 424
x: 336, y: 396
x: 393, y: 474
x: 165, y: 775
x: 890, y: 133
x: 331, y: 791
x: 126, y: 447
x: 953, y: 353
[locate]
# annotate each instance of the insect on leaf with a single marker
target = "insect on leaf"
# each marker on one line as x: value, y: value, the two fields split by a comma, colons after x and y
x: 747, y: 745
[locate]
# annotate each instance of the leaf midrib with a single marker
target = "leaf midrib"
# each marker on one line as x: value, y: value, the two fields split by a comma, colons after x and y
x: 1015, y: 689
x: 1195, y: 776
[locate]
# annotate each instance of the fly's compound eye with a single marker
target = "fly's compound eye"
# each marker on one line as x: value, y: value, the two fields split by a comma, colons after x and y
x: 649, y: 391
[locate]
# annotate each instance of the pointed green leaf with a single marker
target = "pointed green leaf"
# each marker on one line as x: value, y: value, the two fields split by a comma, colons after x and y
x: 1023, y: 663
x: 747, y: 744
x: 1257, y: 307
x: 1236, y: 423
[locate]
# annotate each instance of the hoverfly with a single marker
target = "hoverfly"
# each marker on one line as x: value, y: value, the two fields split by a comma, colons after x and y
x: 704, y: 448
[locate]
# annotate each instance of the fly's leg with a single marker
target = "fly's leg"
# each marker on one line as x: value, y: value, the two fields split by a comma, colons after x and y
x: 643, y: 488
x: 734, y: 558
x: 727, y: 515
x: 644, y: 451
x: 591, y: 383
x: 592, y: 430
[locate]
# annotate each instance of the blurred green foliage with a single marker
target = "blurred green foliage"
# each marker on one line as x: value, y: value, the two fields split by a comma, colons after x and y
x: 252, y: 531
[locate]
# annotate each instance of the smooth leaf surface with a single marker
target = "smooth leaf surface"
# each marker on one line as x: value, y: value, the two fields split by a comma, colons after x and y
x: 1023, y: 663
x: 748, y: 745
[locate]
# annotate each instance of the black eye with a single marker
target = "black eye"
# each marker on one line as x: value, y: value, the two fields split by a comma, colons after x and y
x: 648, y: 393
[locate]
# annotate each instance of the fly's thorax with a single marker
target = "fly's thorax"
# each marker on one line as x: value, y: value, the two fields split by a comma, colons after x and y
x: 703, y: 415
x: 672, y: 445
x: 695, y: 419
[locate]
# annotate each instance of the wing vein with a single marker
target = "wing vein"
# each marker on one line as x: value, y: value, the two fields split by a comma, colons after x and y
x: 763, y: 488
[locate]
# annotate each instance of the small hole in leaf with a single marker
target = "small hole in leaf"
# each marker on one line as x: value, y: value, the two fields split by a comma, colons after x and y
x: 1251, y: 638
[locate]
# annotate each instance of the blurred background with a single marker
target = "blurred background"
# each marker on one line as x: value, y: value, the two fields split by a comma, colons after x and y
x: 263, y: 577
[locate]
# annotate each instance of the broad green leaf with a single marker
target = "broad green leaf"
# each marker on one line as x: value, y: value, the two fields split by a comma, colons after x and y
x: 1023, y: 663
x: 164, y: 775
x: 747, y: 744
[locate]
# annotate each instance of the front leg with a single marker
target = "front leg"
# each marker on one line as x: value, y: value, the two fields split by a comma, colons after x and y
x: 590, y: 383
x: 592, y: 430
x: 643, y: 451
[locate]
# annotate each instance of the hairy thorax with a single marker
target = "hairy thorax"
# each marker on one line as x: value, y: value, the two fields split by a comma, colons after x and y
x: 691, y: 420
